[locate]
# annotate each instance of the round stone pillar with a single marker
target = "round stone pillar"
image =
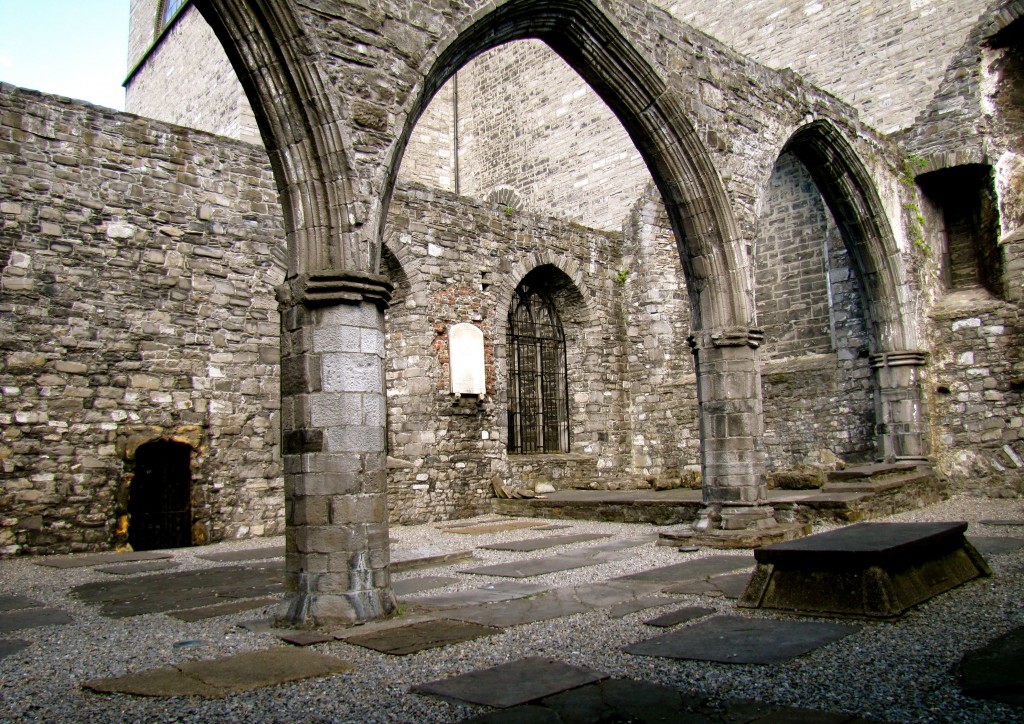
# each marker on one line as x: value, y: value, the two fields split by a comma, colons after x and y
x: 333, y: 445
x: 901, y: 413
x: 731, y: 427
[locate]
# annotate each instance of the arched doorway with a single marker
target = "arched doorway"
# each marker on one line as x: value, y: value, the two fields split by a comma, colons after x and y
x: 160, y: 497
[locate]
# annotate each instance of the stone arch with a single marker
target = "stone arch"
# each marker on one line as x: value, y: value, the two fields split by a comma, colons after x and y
x: 594, y: 46
x: 505, y: 288
x: 897, y: 353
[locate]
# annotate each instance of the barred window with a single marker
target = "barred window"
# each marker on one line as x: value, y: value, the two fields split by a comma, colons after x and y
x: 168, y: 9
x: 538, y: 401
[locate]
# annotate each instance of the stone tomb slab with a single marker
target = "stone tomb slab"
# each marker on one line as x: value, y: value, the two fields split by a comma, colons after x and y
x: 249, y: 554
x: 13, y: 603
x: 512, y: 684
x: 130, y: 569
x: 494, y: 593
x: 99, y: 559
x: 871, y: 570
x: 9, y: 647
x: 640, y: 604
x: 223, y: 609
x: 32, y: 618
x: 592, y: 556
x: 995, y: 545
x: 411, y: 560
x: 682, y: 615
x: 409, y: 586
x: 536, y: 544
x: 730, y: 585
x: 229, y: 675
x: 735, y: 640
x: 996, y: 671
x: 521, y: 610
x: 487, y: 528
x: 695, y: 570
x: 421, y: 636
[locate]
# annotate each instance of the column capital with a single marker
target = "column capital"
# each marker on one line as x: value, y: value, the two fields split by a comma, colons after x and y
x: 726, y: 337
x: 324, y: 288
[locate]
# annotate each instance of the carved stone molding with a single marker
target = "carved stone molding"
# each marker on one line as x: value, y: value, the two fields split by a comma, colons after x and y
x: 333, y: 287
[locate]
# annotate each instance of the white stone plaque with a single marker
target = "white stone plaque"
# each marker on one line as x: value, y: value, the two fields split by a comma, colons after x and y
x: 466, y: 359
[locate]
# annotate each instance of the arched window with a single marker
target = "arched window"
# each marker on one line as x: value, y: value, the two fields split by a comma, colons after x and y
x: 538, y: 401
x: 168, y: 9
x: 160, y: 497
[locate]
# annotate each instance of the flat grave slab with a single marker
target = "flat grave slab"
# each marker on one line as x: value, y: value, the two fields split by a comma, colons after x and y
x: 9, y: 647
x: 511, y: 684
x: 409, y: 586
x: 735, y: 640
x: 1004, y: 521
x: 996, y: 671
x: 418, y: 558
x: 640, y: 604
x: 13, y: 602
x: 32, y: 618
x: 162, y: 592
x: 590, y: 556
x: 536, y: 544
x: 995, y: 545
x: 249, y: 554
x: 682, y: 615
x: 421, y: 636
x: 227, y: 608
x: 694, y: 570
x: 502, y: 527
x: 88, y: 560
x: 304, y: 638
x: 129, y: 569
x: 494, y: 593
x: 872, y: 570
x: 215, y: 678
x: 729, y: 585
x: 520, y: 611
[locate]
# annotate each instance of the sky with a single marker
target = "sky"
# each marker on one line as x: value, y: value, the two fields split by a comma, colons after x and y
x: 76, y: 48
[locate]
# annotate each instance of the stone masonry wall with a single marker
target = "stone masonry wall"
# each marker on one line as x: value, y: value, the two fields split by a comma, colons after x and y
x: 138, y: 263
x: 885, y: 58
x: 165, y: 86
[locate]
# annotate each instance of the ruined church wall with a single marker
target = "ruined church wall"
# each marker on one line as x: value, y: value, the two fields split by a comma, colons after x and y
x: 138, y: 267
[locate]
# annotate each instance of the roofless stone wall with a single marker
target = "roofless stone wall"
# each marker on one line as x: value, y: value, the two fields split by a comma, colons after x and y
x: 138, y: 267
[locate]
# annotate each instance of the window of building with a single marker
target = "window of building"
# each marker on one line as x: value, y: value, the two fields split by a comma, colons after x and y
x: 168, y: 9
x: 160, y: 497
x: 965, y: 198
x: 538, y: 400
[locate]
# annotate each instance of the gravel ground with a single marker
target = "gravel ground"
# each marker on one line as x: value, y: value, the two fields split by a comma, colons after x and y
x: 900, y: 671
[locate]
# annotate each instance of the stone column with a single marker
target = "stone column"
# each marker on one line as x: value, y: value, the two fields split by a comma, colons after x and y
x: 731, y: 427
x: 333, y: 430
x: 901, y: 412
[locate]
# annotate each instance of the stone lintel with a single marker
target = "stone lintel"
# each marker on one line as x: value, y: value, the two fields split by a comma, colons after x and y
x: 324, y: 288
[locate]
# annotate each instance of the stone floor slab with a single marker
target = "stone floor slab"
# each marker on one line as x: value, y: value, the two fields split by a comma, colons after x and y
x: 9, y: 647
x: 536, y: 566
x: 639, y: 604
x: 521, y: 610
x: 304, y: 638
x: 13, y: 602
x: 494, y: 593
x: 487, y: 528
x: 735, y: 640
x: 32, y: 618
x: 536, y: 544
x: 86, y: 560
x: 512, y: 684
x: 418, y: 558
x: 164, y: 592
x: 229, y: 675
x: 996, y: 671
x: 729, y: 585
x: 606, y: 593
x: 129, y: 569
x: 693, y: 570
x: 408, y: 586
x: 250, y: 554
x: 421, y: 636
x: 995, y: 545
x: 682, y: 615
x: 223, y: 609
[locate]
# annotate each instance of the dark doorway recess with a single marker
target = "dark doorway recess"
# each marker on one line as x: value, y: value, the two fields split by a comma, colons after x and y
x: 160, y: 497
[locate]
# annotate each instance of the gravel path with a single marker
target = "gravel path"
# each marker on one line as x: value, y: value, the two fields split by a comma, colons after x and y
x: 899, y: 671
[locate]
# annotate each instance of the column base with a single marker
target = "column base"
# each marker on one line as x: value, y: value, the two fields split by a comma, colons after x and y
x: 735, y: 527
x: 334, y: 610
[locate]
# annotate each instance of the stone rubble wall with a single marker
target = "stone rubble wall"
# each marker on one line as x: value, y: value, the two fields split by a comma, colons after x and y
x: 137, y: 268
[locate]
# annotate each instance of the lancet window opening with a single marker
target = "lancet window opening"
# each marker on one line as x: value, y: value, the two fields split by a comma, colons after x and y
x: 538, y: 400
